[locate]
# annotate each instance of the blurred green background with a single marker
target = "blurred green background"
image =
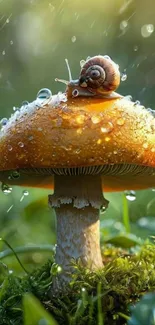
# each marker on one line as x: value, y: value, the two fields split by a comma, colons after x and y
x: 35, y: 38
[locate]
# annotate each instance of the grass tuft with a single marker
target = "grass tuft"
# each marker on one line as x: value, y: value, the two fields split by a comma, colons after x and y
x: 94, y: 298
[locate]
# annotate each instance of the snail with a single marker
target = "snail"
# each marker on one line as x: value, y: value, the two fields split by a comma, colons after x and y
x: 99, y: 77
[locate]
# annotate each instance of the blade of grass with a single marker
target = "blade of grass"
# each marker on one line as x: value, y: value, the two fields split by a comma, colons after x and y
x: 126, y: 219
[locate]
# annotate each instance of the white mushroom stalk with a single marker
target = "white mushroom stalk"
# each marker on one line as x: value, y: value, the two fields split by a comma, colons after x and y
x: 77, y: 201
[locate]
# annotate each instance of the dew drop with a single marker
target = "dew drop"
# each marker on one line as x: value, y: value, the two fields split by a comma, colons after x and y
x: 79, y: 131
x: 96, y: 119
x: 80, y: 119
x: 44, y: 93
x: 21, y: 144
x: 107, y: 139
x: 30, y: 137
x: 107, y: 127
x: 14, y: 174
x: 73, y: 39
x: 147, y: 30
x: 6, y: 189
x: 137, y: 102
x: 107, y: 57
x: 25, y: 103
x: 43, y: 321
x: 83, y: 289
x: 102, y: 209
x: 55, y: 269
x: 128, y: 97
x: 10, y: 271
x: 123, y: 77
x: 145, y: 145
x: 99, y: 141
x: 130, y: 195
x: 120, y: 121
x: 9, y: 147
x: 4, y: 121
x: 82, y: 63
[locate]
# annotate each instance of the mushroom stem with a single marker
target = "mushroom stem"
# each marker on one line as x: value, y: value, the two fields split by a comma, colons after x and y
x: 77, y: 201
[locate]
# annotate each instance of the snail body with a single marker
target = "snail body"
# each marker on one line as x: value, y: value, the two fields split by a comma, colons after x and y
x: 99, y: 77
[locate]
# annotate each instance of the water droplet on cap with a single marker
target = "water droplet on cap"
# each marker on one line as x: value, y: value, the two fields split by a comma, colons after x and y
x: 120, y: 121
x: 6, y: 189
x: 137, y: 102
x: 44, y: 93
x: 14, y: 174
x: 21, y: 144
x: 130, y: 195
x: 107, y: 127
x: 96, y: 119
x: 9, y: 147
x: 4, y: 121
x: 25, y: 103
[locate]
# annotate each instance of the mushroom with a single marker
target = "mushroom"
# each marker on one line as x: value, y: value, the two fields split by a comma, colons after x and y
x: 80, y: 147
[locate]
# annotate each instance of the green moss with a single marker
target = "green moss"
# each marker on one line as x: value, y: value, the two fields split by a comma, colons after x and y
x: 93, y: 298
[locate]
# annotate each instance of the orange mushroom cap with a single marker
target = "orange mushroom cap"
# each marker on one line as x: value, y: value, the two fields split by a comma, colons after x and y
x: 114, y: 137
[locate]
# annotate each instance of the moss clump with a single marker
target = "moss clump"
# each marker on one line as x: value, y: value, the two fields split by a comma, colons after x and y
x: 91, y: 296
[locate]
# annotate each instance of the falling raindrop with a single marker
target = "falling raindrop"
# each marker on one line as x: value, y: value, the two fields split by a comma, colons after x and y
x: 11, y: 42
x: 123, y: 24
x: 123, y: 77
x: 73, y: 39
x: 44, y: 93
x: 10, y: 208
x: 130, y: 195
x: 147, y: 30
x: 135, y: 48
x: 3, y: 52
x: 6, y: 189
x: 25, y: 193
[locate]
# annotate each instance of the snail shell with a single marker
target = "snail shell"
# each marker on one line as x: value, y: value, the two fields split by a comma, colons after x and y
x: 100, y: 75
